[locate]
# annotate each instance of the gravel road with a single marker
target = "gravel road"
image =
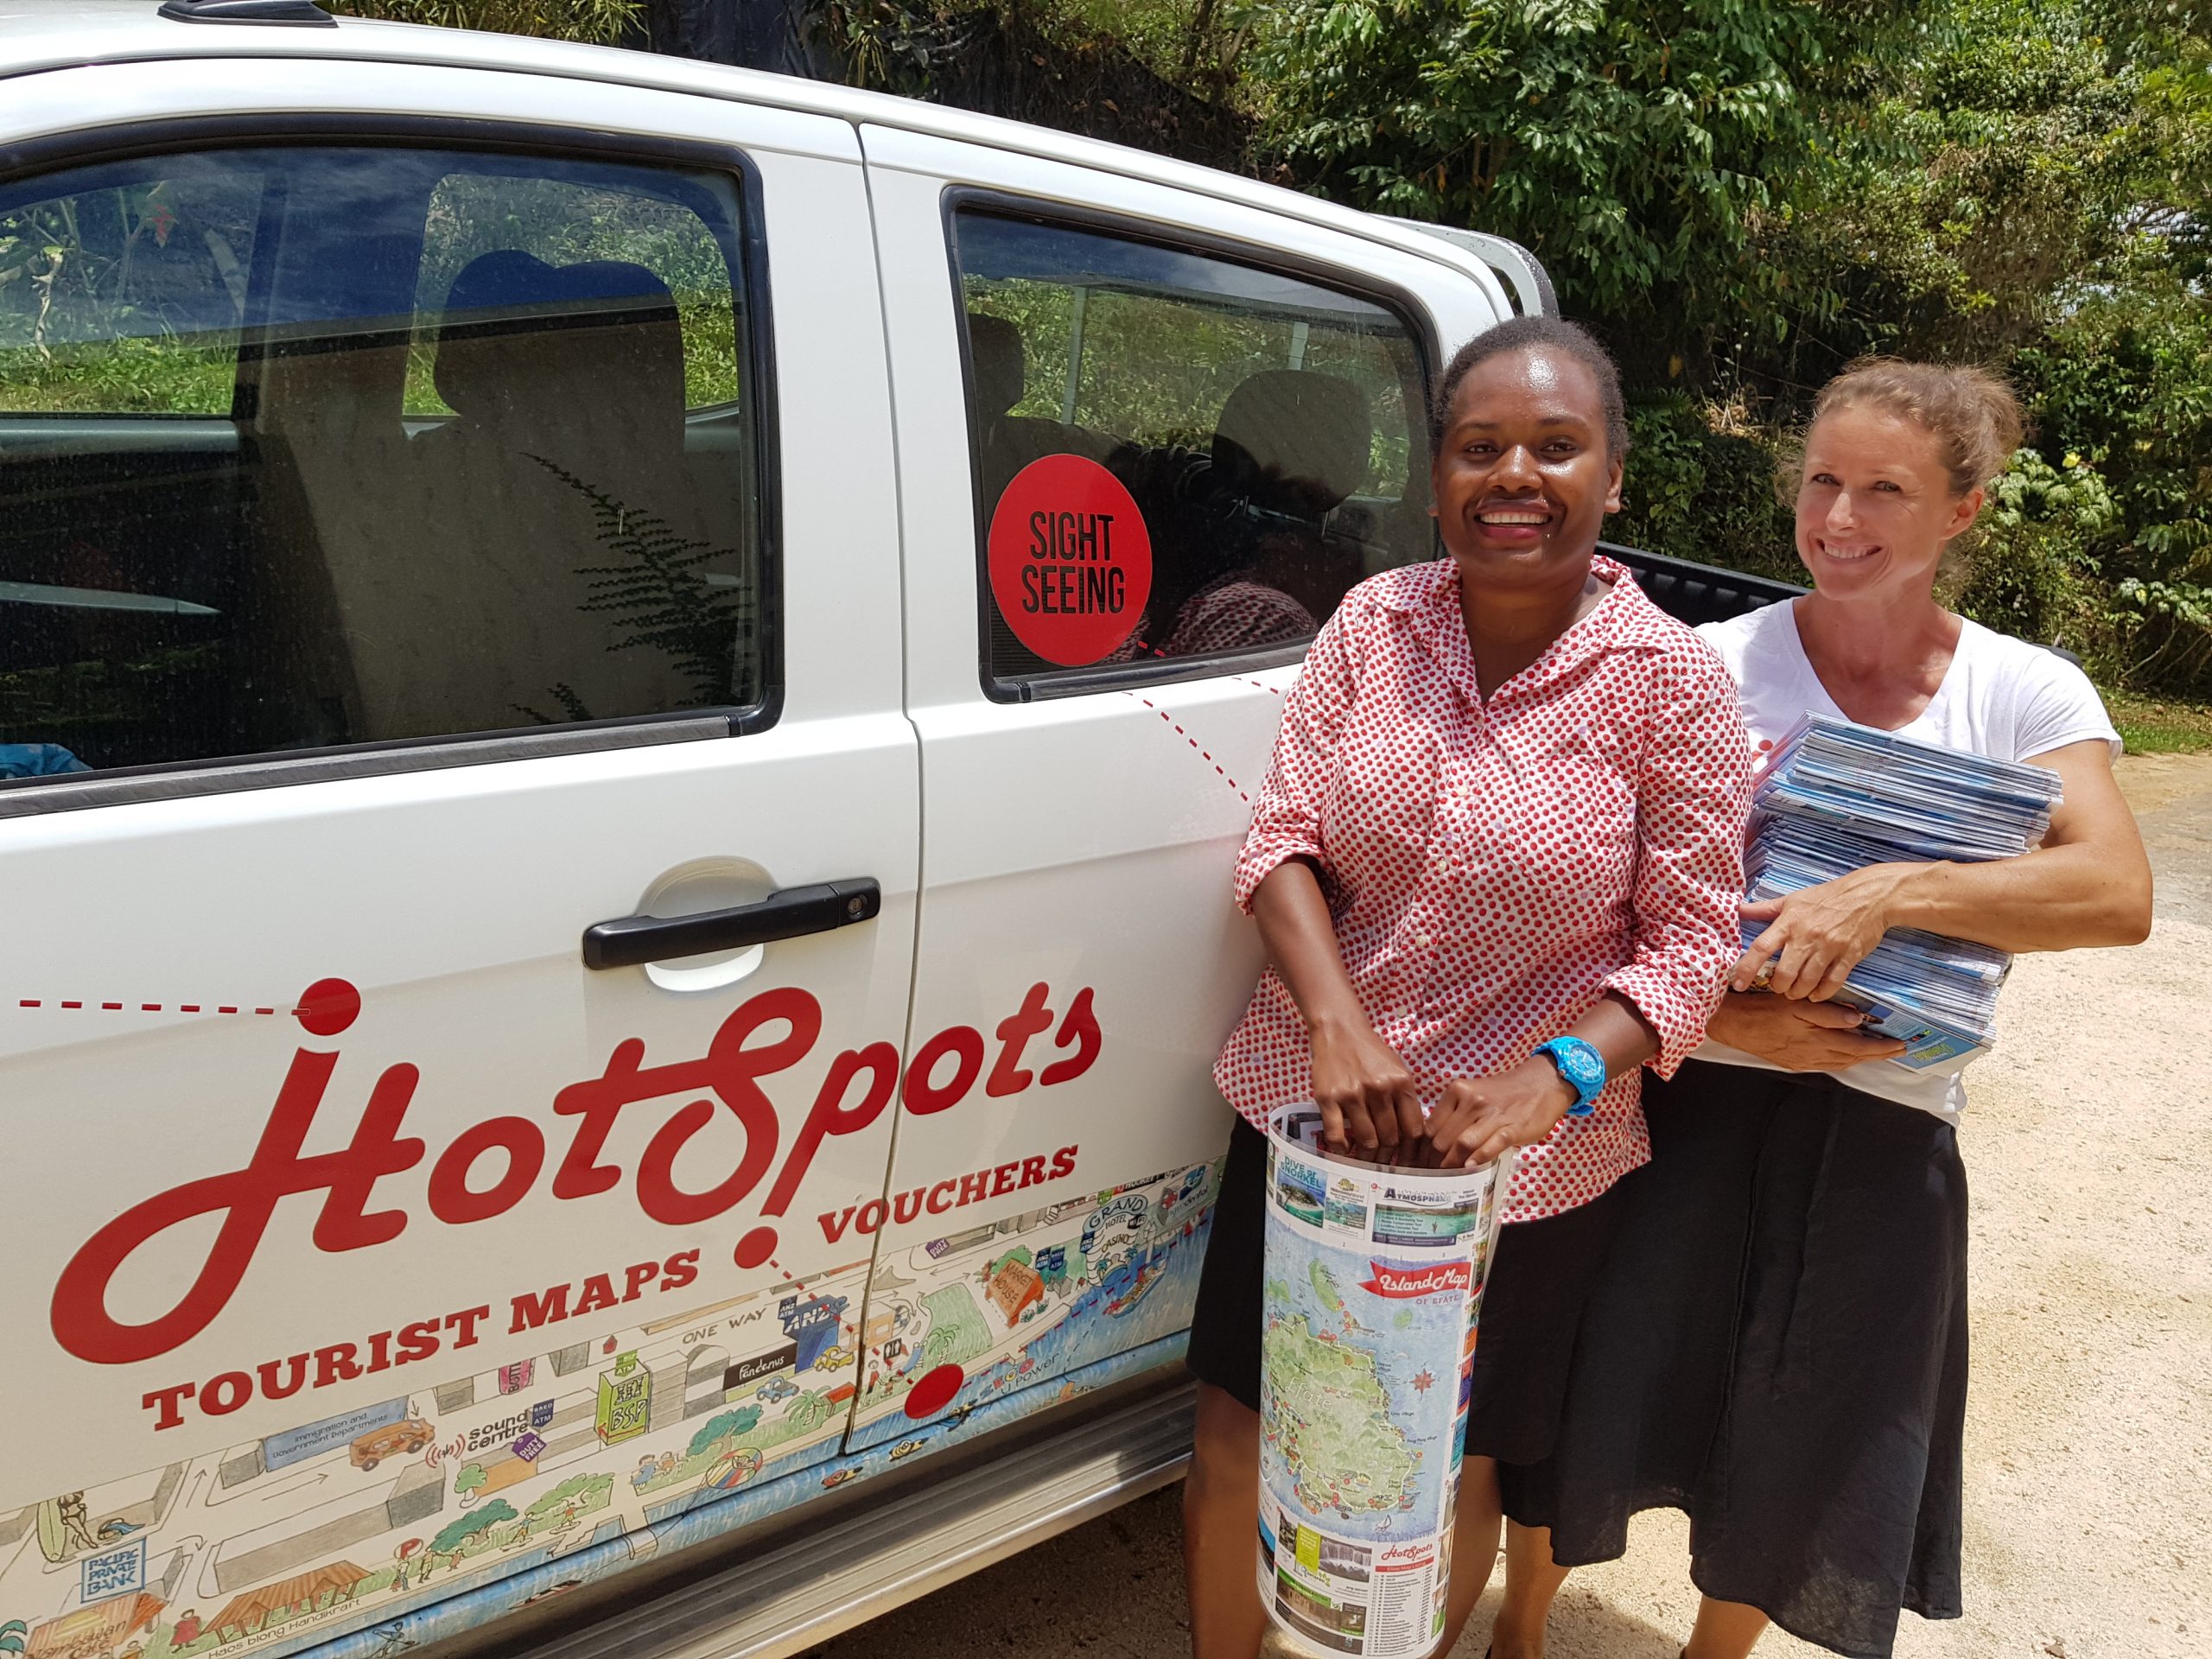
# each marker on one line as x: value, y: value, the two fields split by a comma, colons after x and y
x: 2090, y: 1434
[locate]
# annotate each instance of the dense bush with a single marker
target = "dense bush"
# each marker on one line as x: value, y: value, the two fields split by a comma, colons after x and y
x: 597, y: 20
x: 2031, y: 567
x: 1701, y: 484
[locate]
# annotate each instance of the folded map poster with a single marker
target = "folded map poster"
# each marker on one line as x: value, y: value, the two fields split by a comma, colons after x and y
x: 1837, y: 798
x: 1373, y: 1277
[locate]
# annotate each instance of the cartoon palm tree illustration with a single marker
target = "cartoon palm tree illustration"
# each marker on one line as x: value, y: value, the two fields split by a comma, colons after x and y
x: 11, y: 1637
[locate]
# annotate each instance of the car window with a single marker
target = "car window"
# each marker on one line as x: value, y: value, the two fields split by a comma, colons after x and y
x: 563, y: 221
x: 127, y: 296
x: 1178, y: 456
x: 328, y: 445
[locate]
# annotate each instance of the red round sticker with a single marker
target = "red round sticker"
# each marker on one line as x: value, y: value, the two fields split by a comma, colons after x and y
x: 1071, y: 560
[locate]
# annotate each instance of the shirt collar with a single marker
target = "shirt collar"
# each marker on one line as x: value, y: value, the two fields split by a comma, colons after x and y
x: 1624, y: 619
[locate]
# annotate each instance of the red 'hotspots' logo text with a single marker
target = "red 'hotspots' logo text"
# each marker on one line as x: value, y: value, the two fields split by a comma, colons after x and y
x: 1418, y: 1281
x: 747, y: 1047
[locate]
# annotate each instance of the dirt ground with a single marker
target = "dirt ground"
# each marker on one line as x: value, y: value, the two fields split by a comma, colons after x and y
x: 2089, y: 1431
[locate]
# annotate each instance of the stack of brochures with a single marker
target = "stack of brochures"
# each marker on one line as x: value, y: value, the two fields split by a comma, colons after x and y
x: 1839, y: 797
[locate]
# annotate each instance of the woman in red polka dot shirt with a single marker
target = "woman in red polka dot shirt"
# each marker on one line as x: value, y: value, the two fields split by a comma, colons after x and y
x: 1506, y: 806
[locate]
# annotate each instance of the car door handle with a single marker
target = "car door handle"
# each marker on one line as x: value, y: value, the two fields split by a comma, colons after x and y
x: 784, y: 915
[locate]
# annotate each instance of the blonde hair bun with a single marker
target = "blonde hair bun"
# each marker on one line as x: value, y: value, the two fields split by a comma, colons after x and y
x: 1970, y: 412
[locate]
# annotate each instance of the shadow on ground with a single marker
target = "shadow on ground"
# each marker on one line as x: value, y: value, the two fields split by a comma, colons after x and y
x: 1115, y: 1588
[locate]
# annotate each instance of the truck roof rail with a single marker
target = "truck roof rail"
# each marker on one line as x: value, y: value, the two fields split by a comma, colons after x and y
x: 1523, y: 274
x: 248, y: 11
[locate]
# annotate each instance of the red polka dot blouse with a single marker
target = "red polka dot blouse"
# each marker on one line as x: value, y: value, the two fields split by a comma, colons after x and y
x: 1494, y: 870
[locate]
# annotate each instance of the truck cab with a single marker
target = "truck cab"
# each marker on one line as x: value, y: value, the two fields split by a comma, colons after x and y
x: 626, y: 694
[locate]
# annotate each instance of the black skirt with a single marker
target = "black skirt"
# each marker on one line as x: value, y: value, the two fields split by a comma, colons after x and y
x: 1777, y: 1346
x: 1532, y: 1306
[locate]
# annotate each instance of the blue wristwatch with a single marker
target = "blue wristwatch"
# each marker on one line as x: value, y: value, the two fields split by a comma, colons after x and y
x: 1583, y: 1067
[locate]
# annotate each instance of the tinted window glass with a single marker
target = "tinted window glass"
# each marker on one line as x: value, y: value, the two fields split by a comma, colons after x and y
x: 313, y: 446
x: 127, y: 294
x: 563, y: 221
x: 1264, y: 432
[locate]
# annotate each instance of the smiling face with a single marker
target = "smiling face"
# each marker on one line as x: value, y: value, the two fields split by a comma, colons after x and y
x: 1522, y: 479
x: 1874, y: 504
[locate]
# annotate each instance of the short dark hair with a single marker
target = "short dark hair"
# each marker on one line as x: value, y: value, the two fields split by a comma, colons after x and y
x: 1520, y: 334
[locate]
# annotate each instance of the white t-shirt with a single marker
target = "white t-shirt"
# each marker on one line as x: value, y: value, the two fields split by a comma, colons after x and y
x: 2001, y: 697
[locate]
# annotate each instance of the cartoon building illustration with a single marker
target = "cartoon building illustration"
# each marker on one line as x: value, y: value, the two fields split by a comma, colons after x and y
x: 95, y: 1632
x: 306, y: 1593
x: 813, y: 1323
x: 1014, y: 1287
x: 626, y: 1397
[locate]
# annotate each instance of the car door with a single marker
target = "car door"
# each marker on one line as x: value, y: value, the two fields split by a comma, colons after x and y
x: 460, y: 848
x: 1149, y: 440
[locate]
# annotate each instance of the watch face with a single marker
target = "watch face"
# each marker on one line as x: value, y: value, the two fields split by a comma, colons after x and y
x: 1582, y: 1066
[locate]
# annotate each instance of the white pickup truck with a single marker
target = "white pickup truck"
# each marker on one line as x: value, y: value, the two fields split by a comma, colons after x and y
x: 626, y: 692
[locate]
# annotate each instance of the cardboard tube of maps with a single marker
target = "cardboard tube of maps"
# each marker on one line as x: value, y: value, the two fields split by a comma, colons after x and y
x: 1374, y: 1278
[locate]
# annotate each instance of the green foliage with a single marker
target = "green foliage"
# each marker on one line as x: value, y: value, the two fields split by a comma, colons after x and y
x: 158, y: 374
x: 563, y: 223
x: 11, y: 1635
x: 806, y: 1414
x: 124, y: 300
x: 1634, y: 147
x: 2028, y: 569
x: 104, y: 306
x: 470, y: 1479
x: 2126, y: 382
x: 1744, y: 198
x: 581, y: 1492
x: 722, y: 1425
x: 1156, y: 369
x: 2153, y: 725
x: 2005, y: 169
x: 2071, y: 497
x: 2124, y: 385
x: 603, y: 21
x: 457, y: 1534
x: 1701, y: 484
x: 662, y: 592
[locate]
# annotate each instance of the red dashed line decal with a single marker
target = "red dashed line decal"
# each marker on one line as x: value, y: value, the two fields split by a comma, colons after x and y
x: 759, y: 1246
x: 325, y: 1008
x: 144, y: 1007
x: 1194, y: 743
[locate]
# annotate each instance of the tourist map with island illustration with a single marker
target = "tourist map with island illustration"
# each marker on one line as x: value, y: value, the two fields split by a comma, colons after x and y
x: 1373, y: 1278
x: 525, y: 1481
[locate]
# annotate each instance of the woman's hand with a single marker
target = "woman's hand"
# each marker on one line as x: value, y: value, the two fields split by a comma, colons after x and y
x: 1817, y: 935
x: 1480, y: 1117
x: 1795, y: 1035
x: 1365, y: 1092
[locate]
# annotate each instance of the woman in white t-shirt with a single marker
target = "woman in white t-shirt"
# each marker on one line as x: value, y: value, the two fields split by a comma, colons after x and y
x: 1779, y: 1343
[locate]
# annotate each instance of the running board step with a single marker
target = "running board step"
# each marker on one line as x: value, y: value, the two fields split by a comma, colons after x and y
x: 861, y: 1565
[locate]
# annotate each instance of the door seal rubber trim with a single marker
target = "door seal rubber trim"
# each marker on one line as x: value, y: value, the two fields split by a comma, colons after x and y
x: 26, y: 797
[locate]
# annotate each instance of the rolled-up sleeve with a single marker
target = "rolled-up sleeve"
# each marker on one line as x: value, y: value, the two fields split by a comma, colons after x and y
x: 1693, y: 795
x: 1286, y: 818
